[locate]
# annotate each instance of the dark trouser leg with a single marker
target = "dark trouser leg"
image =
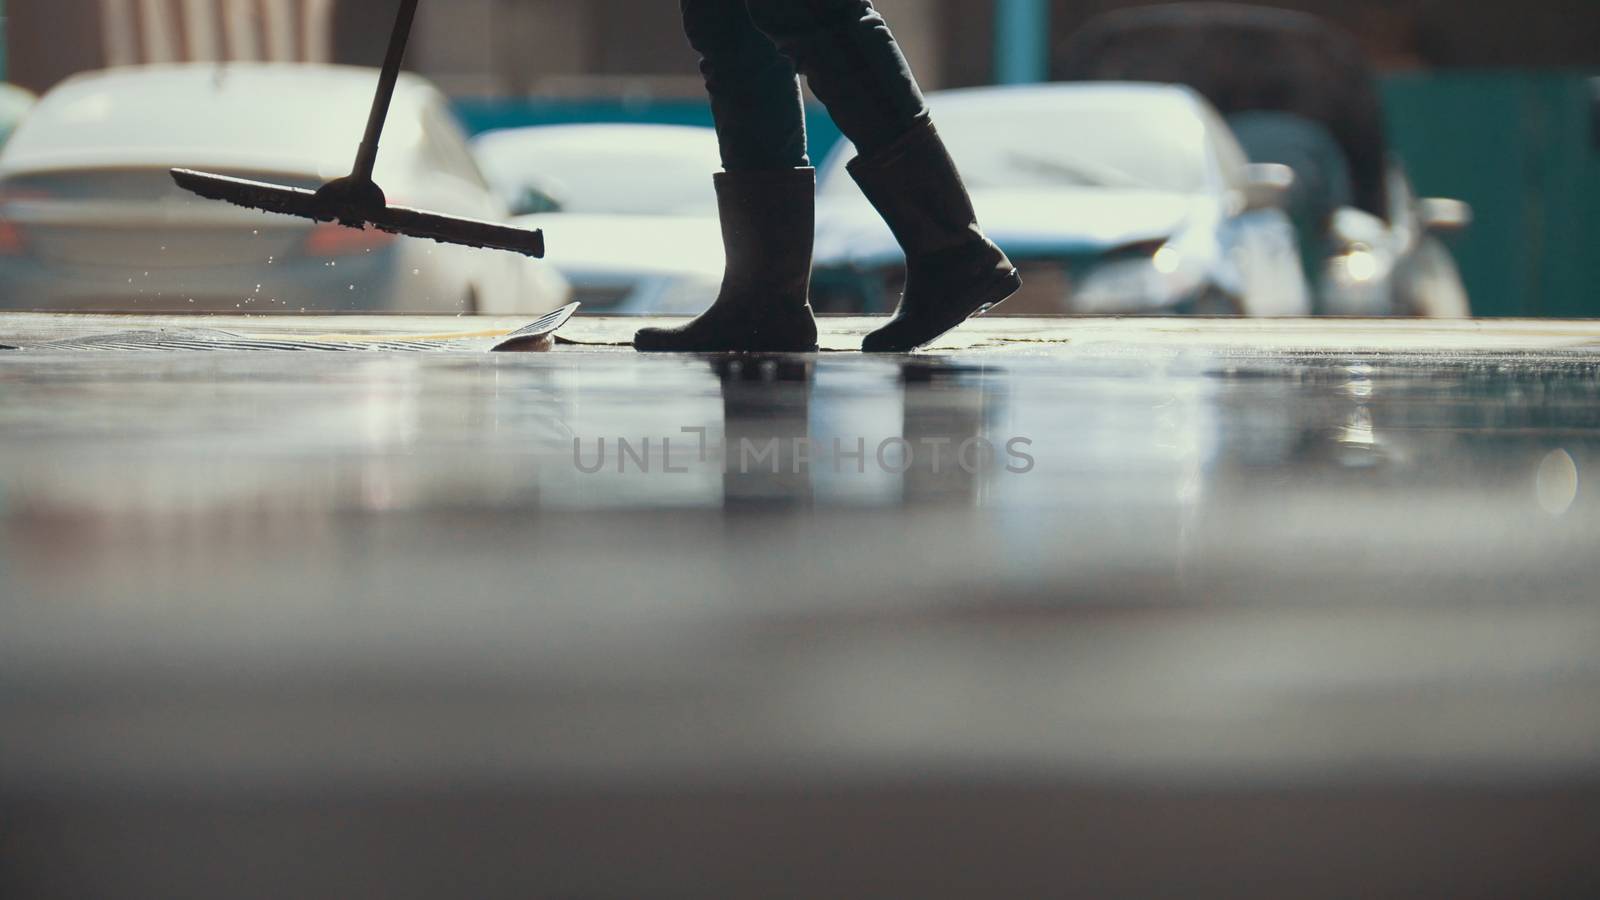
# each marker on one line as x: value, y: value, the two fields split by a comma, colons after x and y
x: 854, y: 65
x: 852, y: 62
x: 755, y: 94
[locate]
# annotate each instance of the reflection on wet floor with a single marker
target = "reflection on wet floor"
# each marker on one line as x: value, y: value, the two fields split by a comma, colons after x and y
x: 1108, y: 565
x: 1166, y: 442
x: 766, y: 443
x: 1146, y: 454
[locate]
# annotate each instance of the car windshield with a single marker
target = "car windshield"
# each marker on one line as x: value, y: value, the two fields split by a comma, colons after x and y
x: 1068, y: 138
x: 644, y: 171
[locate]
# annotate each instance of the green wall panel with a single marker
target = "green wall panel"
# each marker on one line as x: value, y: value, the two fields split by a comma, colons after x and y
x: 1519, y: 146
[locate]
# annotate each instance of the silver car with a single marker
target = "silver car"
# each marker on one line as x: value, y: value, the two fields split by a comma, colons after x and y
x: 1299, y: 91
x: 90, y: 219
x: 1119, y: 199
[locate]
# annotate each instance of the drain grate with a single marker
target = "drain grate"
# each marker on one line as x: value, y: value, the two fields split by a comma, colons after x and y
x: 210, y: 340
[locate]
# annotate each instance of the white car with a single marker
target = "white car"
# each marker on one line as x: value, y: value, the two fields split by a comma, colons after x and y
x: 629, y: 210
x: 90, y: 218
x: 1112, y: 199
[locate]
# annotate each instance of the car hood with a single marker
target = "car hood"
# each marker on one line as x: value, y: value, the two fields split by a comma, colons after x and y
x: 632, y: 246
x: 1025, y: 224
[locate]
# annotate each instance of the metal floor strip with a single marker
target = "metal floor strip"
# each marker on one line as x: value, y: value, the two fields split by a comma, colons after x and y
x: 223, y: 341
x: 534, y: 335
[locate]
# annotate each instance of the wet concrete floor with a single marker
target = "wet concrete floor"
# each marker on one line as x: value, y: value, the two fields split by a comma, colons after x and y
x: 1119, y: 578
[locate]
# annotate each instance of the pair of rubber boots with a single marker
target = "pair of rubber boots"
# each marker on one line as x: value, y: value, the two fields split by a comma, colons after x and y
x: 953, y: 271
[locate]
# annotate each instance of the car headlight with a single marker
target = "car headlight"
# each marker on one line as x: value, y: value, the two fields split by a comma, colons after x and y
x: 1148, y: 278
x: 1360, y: 265
x: 1359, y: 282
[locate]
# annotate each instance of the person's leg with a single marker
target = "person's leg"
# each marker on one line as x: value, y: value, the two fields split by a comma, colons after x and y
x: 755, y: 94
x: 851, y: 61
x: 766, y: 197
x: 855, y: 66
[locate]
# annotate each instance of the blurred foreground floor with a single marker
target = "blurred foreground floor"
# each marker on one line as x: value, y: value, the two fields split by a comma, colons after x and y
x: 1304, y: 609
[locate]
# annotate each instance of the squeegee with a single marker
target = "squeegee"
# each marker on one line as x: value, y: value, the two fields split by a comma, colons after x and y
x: 356, y: 201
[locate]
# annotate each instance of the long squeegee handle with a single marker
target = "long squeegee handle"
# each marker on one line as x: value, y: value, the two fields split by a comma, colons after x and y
x: 367, y: 158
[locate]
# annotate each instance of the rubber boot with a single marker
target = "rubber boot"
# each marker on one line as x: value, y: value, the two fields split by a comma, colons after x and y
x: 953, y: 271
x: 768, y: 220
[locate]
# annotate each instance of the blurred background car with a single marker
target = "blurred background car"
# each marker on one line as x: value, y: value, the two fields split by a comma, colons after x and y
x: 14, y: 104
x: 1113, y: 199
x: 1300, y: 92
x: 90, y: 218
x: 631, y: 208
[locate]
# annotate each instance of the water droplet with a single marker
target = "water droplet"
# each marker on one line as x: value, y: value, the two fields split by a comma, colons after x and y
x: 416, y: 271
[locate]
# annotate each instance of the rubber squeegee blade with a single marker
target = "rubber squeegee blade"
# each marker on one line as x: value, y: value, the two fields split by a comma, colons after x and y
x: 358, y: 205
